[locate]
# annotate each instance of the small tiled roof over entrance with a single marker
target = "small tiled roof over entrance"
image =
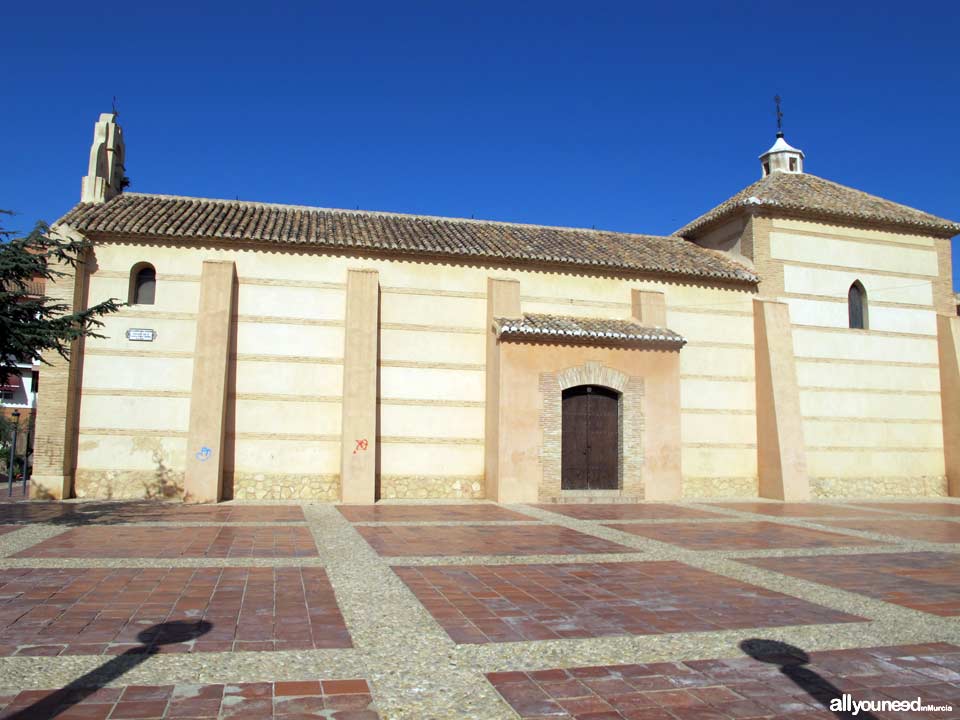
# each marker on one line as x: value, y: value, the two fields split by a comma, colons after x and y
x: 133, y: 215
x: 808, y: 195
x: 535, y: 326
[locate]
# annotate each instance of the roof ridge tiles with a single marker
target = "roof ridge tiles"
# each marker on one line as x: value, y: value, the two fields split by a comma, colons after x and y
x: 812, y: 195
x: 391, y: 214
x: 170, y: 216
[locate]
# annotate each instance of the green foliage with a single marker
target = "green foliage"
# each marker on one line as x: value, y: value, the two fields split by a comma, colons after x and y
x: 6, y: 437
x: 6, y: 431
x: 31, y: 326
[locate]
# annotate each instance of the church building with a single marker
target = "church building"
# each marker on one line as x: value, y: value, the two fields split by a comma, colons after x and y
x: 798, y: 341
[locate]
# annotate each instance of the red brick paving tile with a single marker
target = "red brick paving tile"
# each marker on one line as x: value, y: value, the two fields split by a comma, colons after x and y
x: 926, y: 581
x: 257, y: 701
x: 628, y: 511
x: 729, y: 689
x: 505, y: 603
x: 937, y: 531
x: 740, y: 535
x: 345, y: 687
x: 796, y: 510
x: 144, y: 511
x: 101, y: 610
x: 943, y: 509
x: 4, y: 529
x: 430, y: 513
x: 139, y: 709
x: 178, y: 512
x: 167, y: 542
x: 147, y: 692
x: 484, y: 540
x: 307, y: 687
x: 299, y: 705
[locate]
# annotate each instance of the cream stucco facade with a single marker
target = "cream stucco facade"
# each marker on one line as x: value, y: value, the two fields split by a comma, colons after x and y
x: 279, y: 371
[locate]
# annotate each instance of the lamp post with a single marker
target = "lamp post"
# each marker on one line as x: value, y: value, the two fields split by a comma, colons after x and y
x: 13, y: 451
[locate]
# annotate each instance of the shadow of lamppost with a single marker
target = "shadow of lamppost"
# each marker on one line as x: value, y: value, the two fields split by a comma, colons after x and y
x: 792, y: 661
x: 151, y: 639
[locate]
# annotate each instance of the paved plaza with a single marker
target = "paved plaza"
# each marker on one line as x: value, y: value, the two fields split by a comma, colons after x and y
x: 447, y: 610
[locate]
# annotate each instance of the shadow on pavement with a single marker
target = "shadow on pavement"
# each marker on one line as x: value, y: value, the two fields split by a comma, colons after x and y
x: 792, y: 661
x: 152, y: 639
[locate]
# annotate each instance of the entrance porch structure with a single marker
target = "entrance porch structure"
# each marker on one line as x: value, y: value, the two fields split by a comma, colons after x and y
x: 550, y: 441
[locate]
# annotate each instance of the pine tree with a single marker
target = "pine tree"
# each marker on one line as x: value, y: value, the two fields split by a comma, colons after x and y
x: 33, y: 325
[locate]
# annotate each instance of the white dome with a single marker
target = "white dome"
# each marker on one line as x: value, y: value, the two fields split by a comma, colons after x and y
x: 782, y: 145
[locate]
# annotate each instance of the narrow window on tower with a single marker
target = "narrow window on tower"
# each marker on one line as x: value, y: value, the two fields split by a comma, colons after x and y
x: 143, y: 284
x: 857, y: 306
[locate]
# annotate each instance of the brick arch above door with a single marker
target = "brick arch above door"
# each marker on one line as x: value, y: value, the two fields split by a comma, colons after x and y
x: 592, y: 373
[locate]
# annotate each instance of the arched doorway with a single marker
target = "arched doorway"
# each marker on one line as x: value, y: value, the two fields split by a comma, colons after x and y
x: 591, y: 438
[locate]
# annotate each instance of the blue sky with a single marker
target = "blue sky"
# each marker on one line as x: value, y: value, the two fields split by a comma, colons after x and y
x: 625, y: 116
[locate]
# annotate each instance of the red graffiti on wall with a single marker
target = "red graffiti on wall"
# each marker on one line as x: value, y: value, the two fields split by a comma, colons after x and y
x: 361, y: 445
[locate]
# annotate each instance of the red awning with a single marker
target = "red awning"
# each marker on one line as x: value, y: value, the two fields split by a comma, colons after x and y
x: 11, y: 384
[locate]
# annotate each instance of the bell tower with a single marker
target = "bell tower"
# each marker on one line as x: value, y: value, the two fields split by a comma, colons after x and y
x: 782, y: 156
x: 105, y: 175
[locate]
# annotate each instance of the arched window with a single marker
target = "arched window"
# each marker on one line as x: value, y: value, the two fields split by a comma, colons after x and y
x: 143, y: 284
x: 857, y: 306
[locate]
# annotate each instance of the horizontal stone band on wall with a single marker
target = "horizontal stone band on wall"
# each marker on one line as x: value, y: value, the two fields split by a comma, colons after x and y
x: 866, y: 391
x: 844, y: 301
x: 728, y: 445
x: 302, y: 437
x: 154, y: 315
x: 713, y: 487
x: 124, y: 432
x: 127, y: 392
x: 279, y: 397
x: 284, y: 320
x: 278, y: 486
x: 848, y: 331
x: 466, y: 487
x: 715, y: 411
x: 876, y: 448
x: 161, y: 483
x: 870, y: 487
x: 403, y: 439
x: 879, y: 363
x: 435, y: 403
x: 410, y: 327
x: 432, y: 365
x: 858, y: 419
x: 282, y: 282
x: 898, y: 274
x: 432, y: 292
x: 248, y: 357
x: 125, y: 275
x: 111, y: 352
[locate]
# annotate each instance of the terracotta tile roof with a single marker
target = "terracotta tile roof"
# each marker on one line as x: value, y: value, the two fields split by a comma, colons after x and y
x: 163, y: 216
x: 33, y: 288
x: 805, y: 194
x: 597, y: 330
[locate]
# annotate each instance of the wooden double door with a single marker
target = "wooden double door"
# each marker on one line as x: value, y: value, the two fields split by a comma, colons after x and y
x: 590, y: 459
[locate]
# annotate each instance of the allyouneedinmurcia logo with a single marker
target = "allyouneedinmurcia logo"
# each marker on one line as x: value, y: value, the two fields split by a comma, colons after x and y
x: 845, y: 703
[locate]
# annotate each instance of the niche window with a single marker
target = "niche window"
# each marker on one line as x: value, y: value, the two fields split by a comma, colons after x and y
x: 143, y: 284
x: 857, y: 306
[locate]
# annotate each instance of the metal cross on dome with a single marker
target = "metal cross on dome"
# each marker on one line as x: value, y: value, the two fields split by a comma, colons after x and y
x: 777, y: 99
